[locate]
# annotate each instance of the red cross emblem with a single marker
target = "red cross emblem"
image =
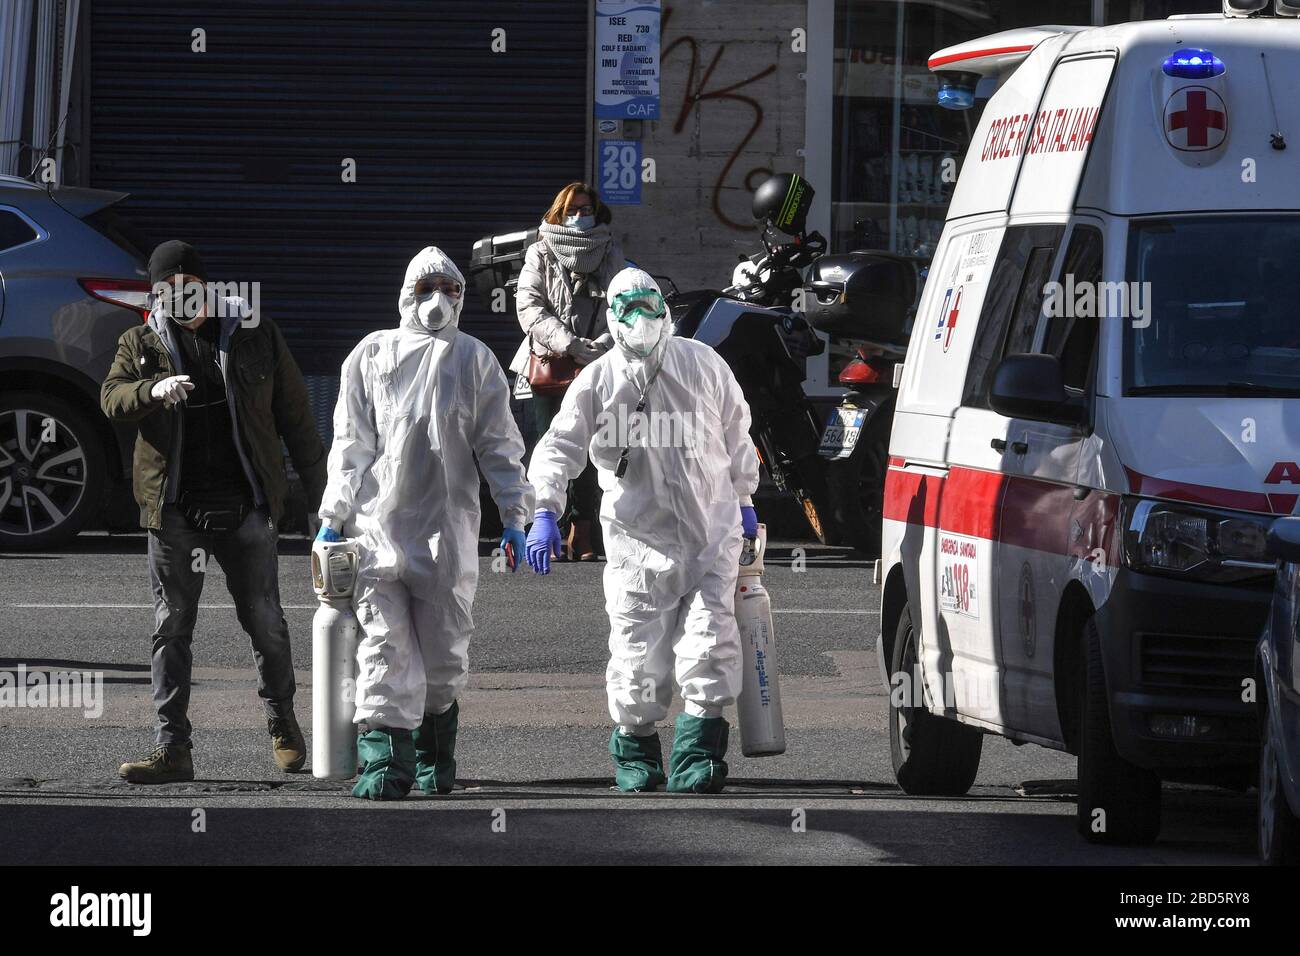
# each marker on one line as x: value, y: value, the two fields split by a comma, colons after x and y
x: 1195, y: 119
x: 951, y: 319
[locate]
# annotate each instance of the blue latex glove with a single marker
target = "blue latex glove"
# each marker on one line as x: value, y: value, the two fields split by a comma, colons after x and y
x: 513, y: 544
x: 326, y: 533
x: 749, y: 521
x: 543, y: 541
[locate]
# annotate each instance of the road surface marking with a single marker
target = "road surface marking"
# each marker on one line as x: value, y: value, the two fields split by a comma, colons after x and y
x: 312, y: 607
x: 149, y: 607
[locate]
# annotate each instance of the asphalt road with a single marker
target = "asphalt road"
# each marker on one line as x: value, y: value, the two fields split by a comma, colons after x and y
x: 534, y: 770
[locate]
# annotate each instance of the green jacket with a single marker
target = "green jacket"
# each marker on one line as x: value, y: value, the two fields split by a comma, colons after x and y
x: 266, y: 395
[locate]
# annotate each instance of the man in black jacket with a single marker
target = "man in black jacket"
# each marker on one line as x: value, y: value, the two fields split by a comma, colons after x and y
x: 214, y: 396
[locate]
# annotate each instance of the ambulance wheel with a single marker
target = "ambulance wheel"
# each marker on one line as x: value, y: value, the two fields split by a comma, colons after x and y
x: 1279, y: 830
x: 932, y: 756
x: 1119, y: 803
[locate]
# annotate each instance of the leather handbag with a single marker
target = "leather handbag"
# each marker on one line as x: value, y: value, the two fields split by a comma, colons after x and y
x: 553, y: 374
x: 550, y: 374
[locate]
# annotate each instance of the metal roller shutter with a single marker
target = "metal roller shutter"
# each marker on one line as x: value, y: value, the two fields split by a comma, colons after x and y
x: 240, y: 149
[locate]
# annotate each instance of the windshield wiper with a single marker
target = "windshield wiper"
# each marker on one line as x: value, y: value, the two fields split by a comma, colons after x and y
x: 1218, y: 388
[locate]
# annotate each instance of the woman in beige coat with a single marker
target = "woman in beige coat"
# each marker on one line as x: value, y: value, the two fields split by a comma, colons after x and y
x: 561, y: 308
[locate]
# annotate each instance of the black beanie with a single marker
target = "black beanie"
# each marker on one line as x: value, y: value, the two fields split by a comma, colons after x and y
x: 174, y: 257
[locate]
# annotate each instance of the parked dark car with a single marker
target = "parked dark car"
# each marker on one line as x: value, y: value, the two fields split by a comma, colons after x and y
x: 1278, y: 696
x: 72, y: 279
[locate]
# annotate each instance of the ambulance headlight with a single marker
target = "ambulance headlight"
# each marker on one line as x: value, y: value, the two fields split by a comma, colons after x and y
x: 1193, y: 64
x: 1200, y: 544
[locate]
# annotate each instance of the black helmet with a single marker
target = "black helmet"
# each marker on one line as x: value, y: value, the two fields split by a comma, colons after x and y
x: 783, y: 200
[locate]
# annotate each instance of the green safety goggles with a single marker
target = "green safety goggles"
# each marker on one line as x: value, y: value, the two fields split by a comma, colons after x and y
x: 637, y: 303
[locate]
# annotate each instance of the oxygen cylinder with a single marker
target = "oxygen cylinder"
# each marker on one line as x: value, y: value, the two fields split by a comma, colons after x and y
x: 762, y: 727
x: 334, y: 661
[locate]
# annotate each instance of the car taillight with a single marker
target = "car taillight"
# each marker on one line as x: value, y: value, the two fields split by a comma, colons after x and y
x: 128, y: 293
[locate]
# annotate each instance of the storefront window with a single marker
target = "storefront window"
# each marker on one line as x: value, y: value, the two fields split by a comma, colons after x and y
x: 891, y: 138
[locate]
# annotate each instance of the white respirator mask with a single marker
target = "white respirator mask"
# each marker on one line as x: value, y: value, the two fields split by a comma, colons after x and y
x: 435, y: 310
x: 643, y: 336
x: 637, y: 319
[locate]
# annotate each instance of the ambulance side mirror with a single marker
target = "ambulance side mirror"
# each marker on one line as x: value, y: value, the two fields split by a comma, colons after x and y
x: 1283, y: 541
x: 1032, y: 386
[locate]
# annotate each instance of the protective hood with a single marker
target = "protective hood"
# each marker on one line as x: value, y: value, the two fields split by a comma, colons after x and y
x: 428, y: 261
x: 645, y: 339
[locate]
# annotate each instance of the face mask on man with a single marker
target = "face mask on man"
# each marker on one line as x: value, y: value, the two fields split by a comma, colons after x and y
x: 173, y: 303
x: 640, y: 315
x: 582, y: 223
x: 643, y: 336
x: 183, y: 302
x: 435, y: 310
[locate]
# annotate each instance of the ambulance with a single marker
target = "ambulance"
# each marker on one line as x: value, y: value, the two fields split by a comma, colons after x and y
x: 1098, y: 416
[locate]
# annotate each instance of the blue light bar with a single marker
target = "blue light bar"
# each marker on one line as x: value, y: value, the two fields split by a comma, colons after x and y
x: 956, y: 97
x: 1193, y: 64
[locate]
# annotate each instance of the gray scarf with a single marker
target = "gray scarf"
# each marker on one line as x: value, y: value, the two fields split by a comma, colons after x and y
x: 575, y: 250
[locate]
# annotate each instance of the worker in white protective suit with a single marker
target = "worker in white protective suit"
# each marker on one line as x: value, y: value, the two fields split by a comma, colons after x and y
x: 417, y: 404
x: 667, y: 427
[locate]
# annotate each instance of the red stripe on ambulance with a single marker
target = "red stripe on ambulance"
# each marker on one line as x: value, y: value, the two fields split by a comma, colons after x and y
x: 939, y: 61
x: 1257, y: 501
x: 1013, y: 510
x: 1043, y: 515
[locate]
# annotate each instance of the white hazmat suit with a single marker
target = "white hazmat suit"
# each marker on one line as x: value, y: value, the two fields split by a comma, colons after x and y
x: 416, y: 405
x: 671, y: 524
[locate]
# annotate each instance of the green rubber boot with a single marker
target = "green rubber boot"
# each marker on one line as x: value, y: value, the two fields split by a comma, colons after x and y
x: 387, y: 758
x: 696, y: 764
x: 638, y: 761
x: 435, y: 751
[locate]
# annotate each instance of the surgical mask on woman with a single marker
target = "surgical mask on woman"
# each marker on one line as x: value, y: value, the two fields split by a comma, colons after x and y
x: 582, y: 223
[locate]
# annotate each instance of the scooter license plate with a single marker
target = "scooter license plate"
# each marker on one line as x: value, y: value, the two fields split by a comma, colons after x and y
x: 842, y: 431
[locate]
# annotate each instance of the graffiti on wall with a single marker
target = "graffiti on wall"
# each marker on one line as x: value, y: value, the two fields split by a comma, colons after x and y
x: 699, y: 88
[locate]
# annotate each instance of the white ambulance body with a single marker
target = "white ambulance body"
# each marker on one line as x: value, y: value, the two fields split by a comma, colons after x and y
x: 1078, y: 491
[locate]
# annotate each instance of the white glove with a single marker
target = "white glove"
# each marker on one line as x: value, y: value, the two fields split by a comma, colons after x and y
x: 584, y: 351
x: 172, y: 390
x: 605, y: 342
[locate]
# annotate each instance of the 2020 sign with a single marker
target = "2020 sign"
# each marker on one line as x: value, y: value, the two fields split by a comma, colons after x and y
x: 620, y: 171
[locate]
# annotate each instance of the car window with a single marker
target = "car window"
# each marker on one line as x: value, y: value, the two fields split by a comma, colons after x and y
x: 14, y: 230
x: 1072, y: 335
x: 1013, y: 304
x: 112, y: 224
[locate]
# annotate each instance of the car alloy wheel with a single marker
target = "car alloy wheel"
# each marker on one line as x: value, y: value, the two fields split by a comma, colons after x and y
x: 42, y: 472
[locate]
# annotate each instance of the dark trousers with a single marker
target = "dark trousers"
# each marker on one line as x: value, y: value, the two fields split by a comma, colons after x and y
x: 247, y: 555
x: 584, y: 491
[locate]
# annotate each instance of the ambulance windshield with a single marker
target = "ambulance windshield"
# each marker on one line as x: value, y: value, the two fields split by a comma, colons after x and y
x: 1213, y: 306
